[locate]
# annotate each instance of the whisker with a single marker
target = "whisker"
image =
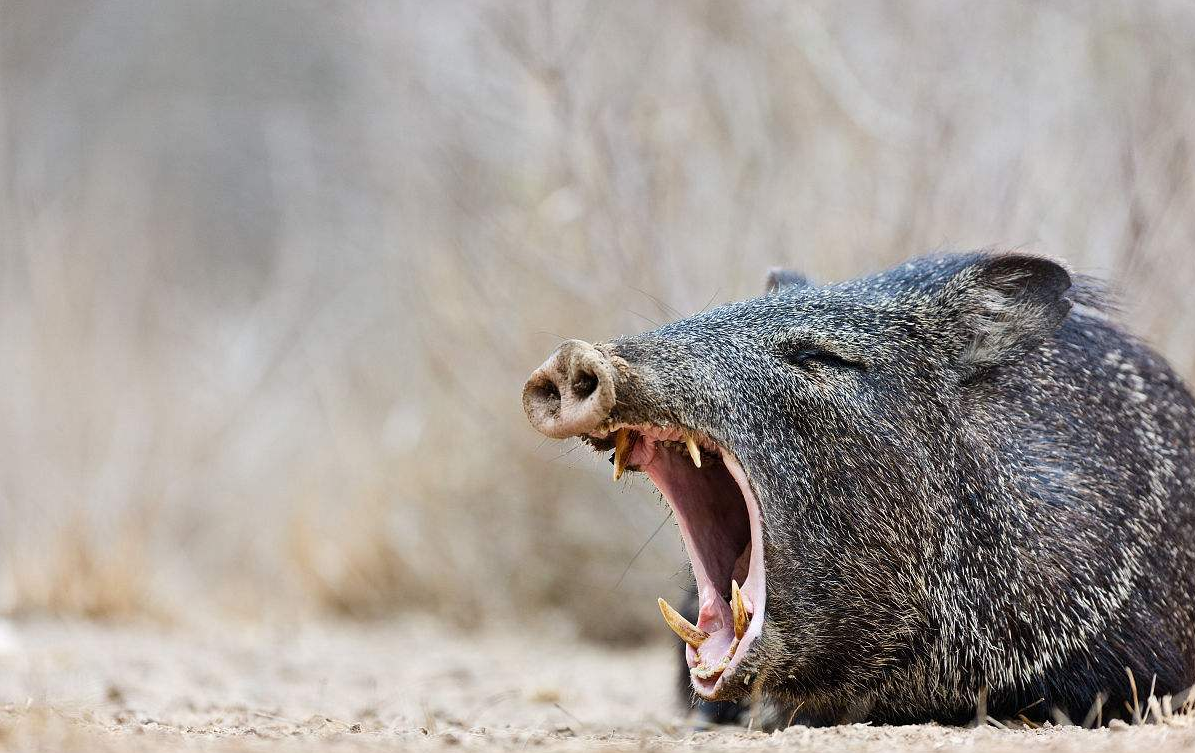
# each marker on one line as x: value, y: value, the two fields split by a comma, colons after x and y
x: 654, y: 533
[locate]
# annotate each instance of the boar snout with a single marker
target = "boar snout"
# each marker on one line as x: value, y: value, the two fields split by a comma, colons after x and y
x: 572, y: 393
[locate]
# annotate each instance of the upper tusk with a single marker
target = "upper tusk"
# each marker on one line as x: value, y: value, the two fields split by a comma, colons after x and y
x: 687, y: 631
x: 694, y: 452
x: 622, y: 440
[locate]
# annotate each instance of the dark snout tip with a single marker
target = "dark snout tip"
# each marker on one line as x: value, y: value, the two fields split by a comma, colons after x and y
x: 571, y: 393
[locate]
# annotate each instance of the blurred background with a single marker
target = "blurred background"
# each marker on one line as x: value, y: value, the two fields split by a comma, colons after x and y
x: 272, y: 274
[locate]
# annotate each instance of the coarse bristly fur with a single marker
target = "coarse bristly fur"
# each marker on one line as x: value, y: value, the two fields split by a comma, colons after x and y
x: 973, y: 485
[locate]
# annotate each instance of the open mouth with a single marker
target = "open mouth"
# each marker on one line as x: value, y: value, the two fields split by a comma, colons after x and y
x: 720, y: 524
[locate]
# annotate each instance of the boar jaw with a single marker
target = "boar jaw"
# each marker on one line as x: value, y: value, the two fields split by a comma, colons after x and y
x: 719, y: 520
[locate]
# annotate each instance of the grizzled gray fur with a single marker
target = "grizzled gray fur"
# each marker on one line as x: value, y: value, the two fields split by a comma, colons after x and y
x: 972, y: 482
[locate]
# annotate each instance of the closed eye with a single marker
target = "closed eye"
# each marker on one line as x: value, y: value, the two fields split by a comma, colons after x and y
x: 806, y: 357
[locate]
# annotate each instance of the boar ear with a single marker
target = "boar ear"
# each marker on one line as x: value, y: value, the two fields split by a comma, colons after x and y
x: 778, y: 279
x: 1006, y: 306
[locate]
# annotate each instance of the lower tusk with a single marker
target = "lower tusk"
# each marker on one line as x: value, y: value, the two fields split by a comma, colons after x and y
x: 622, y: 441
x: 737, y: 609
x: 694, y: 452
x: 687, y: 631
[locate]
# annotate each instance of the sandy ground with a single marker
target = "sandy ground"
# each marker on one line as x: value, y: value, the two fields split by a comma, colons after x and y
x: 413, y: 685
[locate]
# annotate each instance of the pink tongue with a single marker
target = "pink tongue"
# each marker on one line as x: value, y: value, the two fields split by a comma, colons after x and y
x: 716, y: 646
x: 715, y: 619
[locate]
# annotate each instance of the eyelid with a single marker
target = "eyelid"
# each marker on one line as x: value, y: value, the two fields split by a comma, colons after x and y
x: 799, y: 355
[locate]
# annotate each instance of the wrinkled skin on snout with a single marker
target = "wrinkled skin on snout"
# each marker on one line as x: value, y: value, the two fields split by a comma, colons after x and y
x: 938, y: 487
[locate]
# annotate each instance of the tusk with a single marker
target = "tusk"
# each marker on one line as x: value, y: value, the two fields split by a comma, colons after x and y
x: 737, y: 609
x: 682, y: 627
x: 622, y: 441
x: 693, y: 451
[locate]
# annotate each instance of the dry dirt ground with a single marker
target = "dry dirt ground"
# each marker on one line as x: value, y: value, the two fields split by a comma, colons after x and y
x: 411, y: 685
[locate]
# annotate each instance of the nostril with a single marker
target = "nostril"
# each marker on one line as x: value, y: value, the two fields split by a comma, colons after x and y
x: 584, y: 385
x: 547, y: 395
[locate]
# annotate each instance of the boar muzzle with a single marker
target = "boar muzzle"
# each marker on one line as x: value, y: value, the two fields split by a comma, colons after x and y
x: 572, y: 393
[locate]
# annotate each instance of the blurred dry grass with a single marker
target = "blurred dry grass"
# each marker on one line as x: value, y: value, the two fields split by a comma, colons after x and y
x: 272, y: 275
